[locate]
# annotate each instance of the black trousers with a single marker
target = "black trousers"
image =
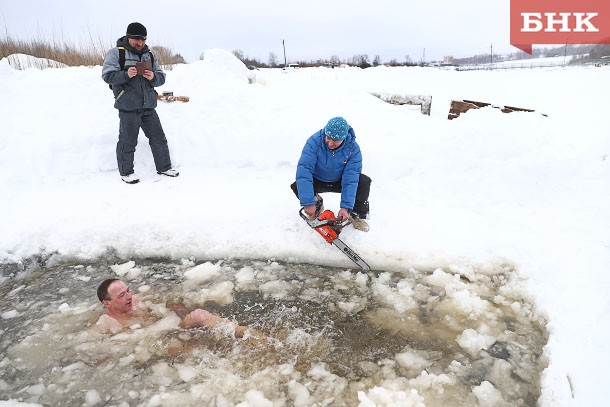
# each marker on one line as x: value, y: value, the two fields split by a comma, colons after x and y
x: 130, y: 123
x: 361, y: 205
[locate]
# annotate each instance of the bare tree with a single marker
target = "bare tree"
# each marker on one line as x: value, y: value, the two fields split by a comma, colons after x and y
x: 239, y: 54
x: 361, y: 60
x: 272, y: 60
x: 165, y: 56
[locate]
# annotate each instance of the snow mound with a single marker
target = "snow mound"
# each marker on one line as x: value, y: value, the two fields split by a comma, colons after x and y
x: 23, y: 61
x: 220, y: 63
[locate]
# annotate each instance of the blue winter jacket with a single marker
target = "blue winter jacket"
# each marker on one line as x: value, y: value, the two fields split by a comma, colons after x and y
x: 131, y: 93
x: 326, y: 165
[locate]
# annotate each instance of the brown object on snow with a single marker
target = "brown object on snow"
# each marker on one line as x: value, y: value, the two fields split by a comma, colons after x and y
x: 462, y: 106
x: 172, y: 98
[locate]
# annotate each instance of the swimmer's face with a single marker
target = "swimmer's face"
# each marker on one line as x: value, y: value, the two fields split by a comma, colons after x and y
x: 120, y: 297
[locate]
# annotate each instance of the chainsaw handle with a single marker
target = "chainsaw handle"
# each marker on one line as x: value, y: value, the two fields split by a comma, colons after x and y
x: 334, y: 222
x: 303, y: 214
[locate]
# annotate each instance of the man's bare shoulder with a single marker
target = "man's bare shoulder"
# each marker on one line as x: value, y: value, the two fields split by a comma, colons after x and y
x: 107, y: 324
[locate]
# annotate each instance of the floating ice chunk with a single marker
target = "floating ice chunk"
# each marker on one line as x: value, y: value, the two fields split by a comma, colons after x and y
x: 378, y: 396
x: 16, y: 403
x: 168, y: 322
x: 472, y: 341
x: 86, y: 279
x: 463, y: 270
x: 319, y: 371
x: 432, y: 381
x: 469, y: 303
x: 163, y: 372
x: 63, y: 308
x: 500, y: 372
x: 412, y: 361
x: 255, y: 398
x: 245, y: 274
x: 157, y: 308
x: 36, y: 390
x: 299, y: 394
x: 10, y: 314
x: 187, y: 262
x: 348, y: 307
x: 73, y: 366
x: 440, y: 278
x: 155, y: 401
x: 186, y: 373
x: 400, y: 298
x: 488, y: 395
x: 203, y: 272
x: 221, y: 293
x: 362, y: 279
x: 92, y: 397
x: 122, y: 269
x: 277, y: 289
x: 516, y: 307
x: 286, y: 369
x: 144, y: 288
x: 16, y: 290
x: 127, y: 360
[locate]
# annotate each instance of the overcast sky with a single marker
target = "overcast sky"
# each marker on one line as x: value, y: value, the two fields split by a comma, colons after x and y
x: 311, y: 29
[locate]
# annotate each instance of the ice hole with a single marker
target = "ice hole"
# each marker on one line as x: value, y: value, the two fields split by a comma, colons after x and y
x: 459, y: 335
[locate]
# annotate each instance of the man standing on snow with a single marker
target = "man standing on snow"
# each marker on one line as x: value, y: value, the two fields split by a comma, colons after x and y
x: 136, y: 99
x: 331, y: 162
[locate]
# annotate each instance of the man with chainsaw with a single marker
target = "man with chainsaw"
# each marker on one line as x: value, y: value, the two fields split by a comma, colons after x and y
x: 331, y: 161
x: 133, y: 73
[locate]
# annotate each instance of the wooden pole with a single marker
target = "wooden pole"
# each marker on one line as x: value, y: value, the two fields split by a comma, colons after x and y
x: 284, y: 45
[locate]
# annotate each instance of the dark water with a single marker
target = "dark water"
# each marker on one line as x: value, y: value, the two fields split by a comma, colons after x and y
x: 456, y: 336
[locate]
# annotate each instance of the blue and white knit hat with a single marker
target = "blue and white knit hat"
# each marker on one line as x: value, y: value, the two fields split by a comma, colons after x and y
x: 336, y: 129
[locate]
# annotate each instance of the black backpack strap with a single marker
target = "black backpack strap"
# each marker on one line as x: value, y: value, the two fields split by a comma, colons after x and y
x: 121, y: 57
x: 121, y: 60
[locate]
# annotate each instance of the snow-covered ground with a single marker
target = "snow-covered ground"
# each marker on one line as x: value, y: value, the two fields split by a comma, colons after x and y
x: 542, y: 62
x: 486, y: 187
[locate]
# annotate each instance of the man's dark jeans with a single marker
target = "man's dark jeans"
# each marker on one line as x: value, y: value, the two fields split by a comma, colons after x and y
x: 361, y: 205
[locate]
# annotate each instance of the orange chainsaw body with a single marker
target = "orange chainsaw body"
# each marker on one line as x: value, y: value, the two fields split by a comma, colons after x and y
x: 327, y: 232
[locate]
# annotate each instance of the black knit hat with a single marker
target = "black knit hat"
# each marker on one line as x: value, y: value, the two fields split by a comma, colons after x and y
x: 136, y: 30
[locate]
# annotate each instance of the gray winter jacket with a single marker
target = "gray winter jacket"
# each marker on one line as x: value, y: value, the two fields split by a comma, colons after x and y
x: 131, y: 93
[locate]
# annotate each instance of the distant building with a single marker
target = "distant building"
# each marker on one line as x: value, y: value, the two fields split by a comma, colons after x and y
x: 447, y: 61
